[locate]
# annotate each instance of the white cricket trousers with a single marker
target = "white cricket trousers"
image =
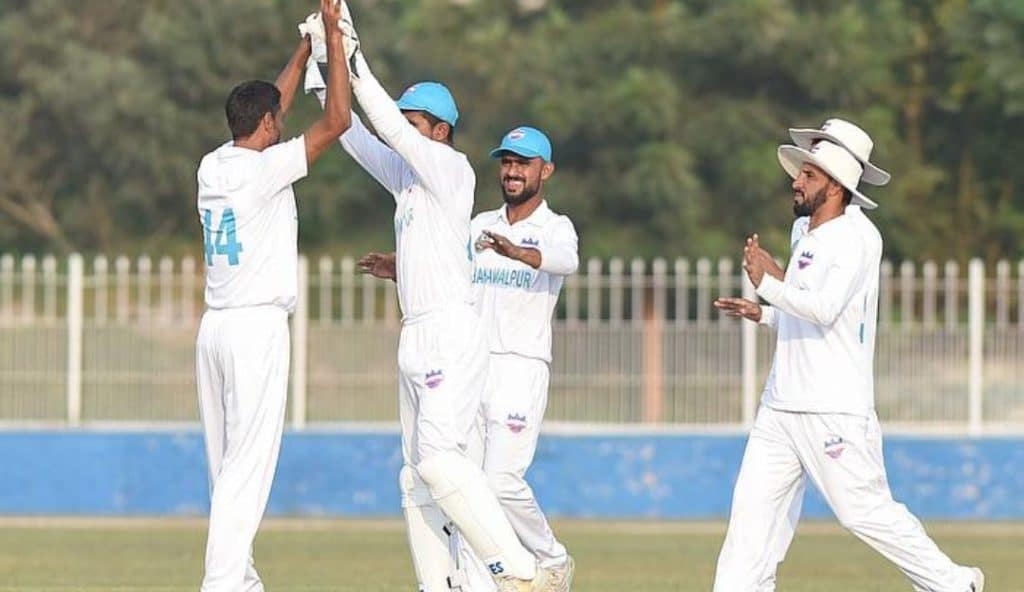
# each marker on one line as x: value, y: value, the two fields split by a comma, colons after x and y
x: 242, y: 359
x: 512, y: 409
x: 514, y: 402
x: 442, y: 362
x: 842, y: 457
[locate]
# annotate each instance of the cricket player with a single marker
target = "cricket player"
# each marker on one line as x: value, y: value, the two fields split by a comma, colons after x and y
x: 817, y: 418
x: 524, y: 252
x: 859, y: 144
x: 247, y: 210
x: 442, y: 352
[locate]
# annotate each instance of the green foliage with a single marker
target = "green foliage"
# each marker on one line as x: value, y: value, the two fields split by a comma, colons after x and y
x: 665, y: 114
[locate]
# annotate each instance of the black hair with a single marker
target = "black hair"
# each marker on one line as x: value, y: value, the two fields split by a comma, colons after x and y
x: 248, y: 103
x: 433, y: 120
x: 847, y: 196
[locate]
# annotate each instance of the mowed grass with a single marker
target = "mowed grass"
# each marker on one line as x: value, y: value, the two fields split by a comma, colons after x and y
x: 371, y: 556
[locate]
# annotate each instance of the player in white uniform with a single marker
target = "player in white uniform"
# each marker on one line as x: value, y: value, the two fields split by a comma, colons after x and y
x: 247, y: 211
x: 524, y: 252
x: 817, y: 417
x: 442, y: 357
x: 859, y: 144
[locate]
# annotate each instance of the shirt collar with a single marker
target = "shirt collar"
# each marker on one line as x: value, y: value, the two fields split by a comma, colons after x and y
x: 538, y: 218
x: 832, y: 225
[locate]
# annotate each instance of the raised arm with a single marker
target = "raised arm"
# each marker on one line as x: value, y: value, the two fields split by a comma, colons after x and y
x: 419, y: 152
x: 288, y: 80
x: 337, y: 115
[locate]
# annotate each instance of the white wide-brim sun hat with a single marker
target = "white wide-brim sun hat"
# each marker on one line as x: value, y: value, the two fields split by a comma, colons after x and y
x: 849, y: 136
x: 835, y: 160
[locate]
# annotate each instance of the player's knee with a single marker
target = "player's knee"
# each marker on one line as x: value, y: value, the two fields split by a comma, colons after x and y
x: 415, y: 492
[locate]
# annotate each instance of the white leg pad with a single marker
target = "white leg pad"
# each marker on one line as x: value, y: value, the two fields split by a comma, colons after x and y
x: 461, y: 490
x: 428, y: 540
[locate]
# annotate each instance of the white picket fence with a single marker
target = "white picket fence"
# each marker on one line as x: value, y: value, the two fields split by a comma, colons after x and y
x: 111, y: 340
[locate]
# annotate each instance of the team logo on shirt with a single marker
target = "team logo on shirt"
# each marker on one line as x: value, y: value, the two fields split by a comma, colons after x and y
x: 435, y: 378
x: 834, y: 446
x: 516, y: 423
x: 530, y: 242
x: 806, y: 258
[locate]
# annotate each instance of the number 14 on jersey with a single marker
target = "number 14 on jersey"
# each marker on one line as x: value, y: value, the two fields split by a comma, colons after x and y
x: 222, y: 242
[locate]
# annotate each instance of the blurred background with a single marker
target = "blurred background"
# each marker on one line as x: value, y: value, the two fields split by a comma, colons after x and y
x: 665, y: 116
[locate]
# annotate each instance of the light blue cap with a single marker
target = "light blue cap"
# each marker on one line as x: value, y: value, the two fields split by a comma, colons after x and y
x: 432, y: 97
x: 527, y: 142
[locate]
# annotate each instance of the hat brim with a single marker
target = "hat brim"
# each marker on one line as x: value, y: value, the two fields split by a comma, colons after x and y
x: 405, y: 104
x: 792, y: 158
x: 805, y: 138
x: 524, y: 152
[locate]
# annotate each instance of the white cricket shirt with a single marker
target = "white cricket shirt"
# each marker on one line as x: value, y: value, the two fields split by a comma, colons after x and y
x: 825, y: 313
x: 250, y: 224
x: 433, y: 187
x: 516, y: 301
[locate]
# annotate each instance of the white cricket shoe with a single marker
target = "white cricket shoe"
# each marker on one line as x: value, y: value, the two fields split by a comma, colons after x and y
x: 539, y: 583
x: 560, y: 577
x: 510, y: 584
x: 978, y: 584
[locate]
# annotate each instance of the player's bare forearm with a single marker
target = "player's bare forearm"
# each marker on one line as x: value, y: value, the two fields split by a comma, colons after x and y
x: 288, y: 80
x: 531, y: 257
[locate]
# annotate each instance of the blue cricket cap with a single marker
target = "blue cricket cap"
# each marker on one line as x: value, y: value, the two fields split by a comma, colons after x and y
x: 432, y: 97
x: 527, y: 142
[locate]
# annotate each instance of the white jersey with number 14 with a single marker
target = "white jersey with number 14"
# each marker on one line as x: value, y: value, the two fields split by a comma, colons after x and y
x: 250, y: 225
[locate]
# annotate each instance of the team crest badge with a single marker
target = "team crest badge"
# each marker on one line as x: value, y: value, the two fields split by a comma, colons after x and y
x: 806, y: 258
x: 530, y: 242
x: 516, y: 423
x: 434, y: 378
x: 834, y: 446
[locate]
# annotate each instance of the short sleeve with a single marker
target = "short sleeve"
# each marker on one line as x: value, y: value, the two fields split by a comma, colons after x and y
x: 284, y: 164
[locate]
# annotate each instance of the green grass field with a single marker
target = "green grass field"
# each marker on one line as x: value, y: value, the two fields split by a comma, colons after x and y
x: 370, y: 556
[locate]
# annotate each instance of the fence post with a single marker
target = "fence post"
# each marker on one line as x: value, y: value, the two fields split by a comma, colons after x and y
x: 976, y: 316
x: 7, y: 285
x: 300, y: 322
x: 703, y: 292
x: 28, y: 288
x: 615, y: 287
x: 74, y: 377
x: 100, y: 269
x: 682, y: 281
x: 930, y: 274
x: 907, y: 294
x: 749, y: 358
x: 50, y: 288
x: 594, y: 292
x: 952, y: 282
x: 725, y: 280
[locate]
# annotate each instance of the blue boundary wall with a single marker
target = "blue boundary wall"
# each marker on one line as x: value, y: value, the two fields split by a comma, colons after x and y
x: 347, y: 473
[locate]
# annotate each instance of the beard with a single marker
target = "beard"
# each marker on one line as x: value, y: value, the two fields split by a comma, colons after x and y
x: 808, y: 206
x: 525, y: 195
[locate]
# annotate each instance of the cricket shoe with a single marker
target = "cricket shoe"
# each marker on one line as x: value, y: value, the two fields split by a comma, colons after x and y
x: 978, y: 583
x: 559, y: 578
x: 537, y: 584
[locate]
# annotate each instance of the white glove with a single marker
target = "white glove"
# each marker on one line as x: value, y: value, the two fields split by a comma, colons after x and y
x: 314, y: 27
